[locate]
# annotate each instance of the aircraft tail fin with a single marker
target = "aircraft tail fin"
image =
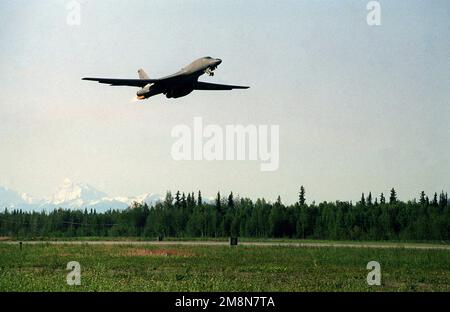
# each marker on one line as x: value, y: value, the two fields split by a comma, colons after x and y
x: 142, y: 74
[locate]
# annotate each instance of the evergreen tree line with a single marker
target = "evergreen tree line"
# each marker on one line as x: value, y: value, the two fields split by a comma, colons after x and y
x: 189, y: 216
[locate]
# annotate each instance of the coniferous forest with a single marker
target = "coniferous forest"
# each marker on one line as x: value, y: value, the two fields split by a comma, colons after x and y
x: 181, y: 215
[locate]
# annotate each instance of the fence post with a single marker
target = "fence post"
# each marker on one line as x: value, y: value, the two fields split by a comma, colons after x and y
x: 233, y: 241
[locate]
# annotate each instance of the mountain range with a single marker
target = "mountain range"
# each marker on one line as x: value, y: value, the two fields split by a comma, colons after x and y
x: 71, y: 195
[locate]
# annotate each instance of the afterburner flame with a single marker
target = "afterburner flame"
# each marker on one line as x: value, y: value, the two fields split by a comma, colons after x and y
x: 136, y: 98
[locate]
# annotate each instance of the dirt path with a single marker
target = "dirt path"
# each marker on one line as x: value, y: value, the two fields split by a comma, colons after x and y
x: 259, y: 244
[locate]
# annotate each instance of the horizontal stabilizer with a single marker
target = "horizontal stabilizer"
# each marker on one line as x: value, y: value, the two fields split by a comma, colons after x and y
x: 142, y: 74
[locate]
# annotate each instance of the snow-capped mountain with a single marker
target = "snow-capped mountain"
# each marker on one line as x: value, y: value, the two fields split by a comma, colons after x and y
x: 72, y: 195
x: 77, y: 194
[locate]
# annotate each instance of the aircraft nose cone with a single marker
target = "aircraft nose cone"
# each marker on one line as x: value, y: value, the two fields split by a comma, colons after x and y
x: 218, y: 61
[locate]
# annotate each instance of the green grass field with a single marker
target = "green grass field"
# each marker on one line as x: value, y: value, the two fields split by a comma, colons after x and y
x: 42, y: 267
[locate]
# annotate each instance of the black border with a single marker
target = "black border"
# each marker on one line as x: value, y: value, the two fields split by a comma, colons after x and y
x: 165, y: 301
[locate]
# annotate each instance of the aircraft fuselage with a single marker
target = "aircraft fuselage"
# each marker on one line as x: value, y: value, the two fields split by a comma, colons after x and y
x: 185, y: 78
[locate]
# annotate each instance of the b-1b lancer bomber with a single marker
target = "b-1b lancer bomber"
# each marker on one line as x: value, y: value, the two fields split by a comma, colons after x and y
x: 177, y: 85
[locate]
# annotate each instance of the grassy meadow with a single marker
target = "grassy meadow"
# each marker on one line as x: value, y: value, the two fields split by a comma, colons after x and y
x: 42, y: 267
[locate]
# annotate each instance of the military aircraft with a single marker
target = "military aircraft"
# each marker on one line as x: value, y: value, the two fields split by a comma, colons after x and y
x: 177, y: 85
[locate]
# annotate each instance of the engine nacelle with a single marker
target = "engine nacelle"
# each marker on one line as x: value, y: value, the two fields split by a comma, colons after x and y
x: 149, y: 90
x: 179, y: 92
x: 144, y: 91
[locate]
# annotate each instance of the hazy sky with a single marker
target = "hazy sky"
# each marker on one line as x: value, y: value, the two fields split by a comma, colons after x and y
x: 360, y: 108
